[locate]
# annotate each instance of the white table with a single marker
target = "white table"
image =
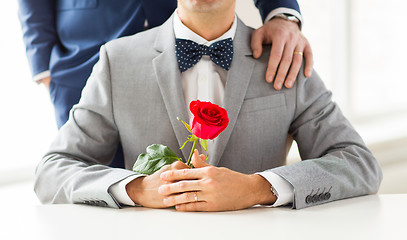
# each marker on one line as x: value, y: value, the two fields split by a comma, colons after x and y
x: 368, y: 217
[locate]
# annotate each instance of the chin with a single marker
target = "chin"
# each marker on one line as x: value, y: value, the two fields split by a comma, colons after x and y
x: 202, y: 6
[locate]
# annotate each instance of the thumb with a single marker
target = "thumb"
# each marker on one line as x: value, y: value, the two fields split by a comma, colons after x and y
x: 199, y: 160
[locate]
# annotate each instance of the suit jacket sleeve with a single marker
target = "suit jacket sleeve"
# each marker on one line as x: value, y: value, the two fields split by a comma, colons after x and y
x: 37, y: 19
x: 75, y: 163
x: 266, y: 6
x: 336, y: 163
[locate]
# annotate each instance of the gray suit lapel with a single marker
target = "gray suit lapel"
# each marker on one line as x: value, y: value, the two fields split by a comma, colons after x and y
x: 169, y: 80
x: 238, y: 79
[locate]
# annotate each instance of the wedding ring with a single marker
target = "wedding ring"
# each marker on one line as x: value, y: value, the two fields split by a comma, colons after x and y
x: 300, y: 53
x: 196, y: 196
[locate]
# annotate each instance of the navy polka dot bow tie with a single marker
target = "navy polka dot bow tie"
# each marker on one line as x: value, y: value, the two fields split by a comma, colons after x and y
x: 189, y: 53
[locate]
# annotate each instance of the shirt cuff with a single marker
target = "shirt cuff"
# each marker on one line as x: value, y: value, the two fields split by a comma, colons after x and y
x: 118, y: 190
x: 41, y: 75
x: 284, y: 10
x: 283, y: 190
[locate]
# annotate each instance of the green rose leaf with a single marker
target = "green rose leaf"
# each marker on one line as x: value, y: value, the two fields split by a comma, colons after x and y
x: 156, y: 157
x: 186, y: 124
x: 191, y: 138
x: 204, y: 145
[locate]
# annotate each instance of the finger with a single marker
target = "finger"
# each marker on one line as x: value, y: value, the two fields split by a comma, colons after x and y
x: 309, y: 61
x: 192, y: 207
x: 275, y: 57
x: 179, y: 187
x: 257, y: 42
x: 182, y: 174
x: 178, y: 165
x: 294, y: 69
x: 187, y: 197
x: 199, y: 161
x: 174, y: 165
x: 284, y: 66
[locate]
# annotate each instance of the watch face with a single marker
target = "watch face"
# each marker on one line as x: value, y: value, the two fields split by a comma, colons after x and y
x: 292, y: 19
x: 288, y: 17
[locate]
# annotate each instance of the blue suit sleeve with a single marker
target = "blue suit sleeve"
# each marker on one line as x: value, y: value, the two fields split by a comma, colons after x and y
x: 37, y: 19
x: 266, y: 6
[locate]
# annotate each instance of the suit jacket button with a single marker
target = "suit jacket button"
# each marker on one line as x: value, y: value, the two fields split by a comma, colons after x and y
x: 308, y: 199
x: 321, y: 197
x: 315, y: 198
x: 103, y: 203
x: 327, y: 196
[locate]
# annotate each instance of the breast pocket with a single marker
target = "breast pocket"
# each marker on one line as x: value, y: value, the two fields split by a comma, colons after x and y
x: 63, y: 5
x: 263, y: 103
x: 259, y: 135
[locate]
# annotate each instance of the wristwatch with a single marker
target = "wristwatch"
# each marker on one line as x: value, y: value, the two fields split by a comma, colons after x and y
x: 288, y: 17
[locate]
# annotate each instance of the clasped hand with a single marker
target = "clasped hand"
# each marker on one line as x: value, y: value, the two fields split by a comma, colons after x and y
x: 203, y: 188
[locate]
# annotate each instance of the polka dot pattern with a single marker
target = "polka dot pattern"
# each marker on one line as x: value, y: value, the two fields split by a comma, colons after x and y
x: 189, y: 53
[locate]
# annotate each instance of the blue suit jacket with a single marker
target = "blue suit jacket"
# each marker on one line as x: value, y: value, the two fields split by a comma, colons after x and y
x: 64, y: 36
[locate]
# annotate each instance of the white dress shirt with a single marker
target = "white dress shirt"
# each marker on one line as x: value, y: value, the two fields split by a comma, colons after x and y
x: 205, y: 81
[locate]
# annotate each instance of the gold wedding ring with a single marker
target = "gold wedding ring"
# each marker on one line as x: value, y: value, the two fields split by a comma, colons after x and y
x: 196, y: 196
x: 300, y: 53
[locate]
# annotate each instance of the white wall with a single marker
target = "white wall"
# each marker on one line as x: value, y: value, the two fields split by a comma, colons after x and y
x: 26, y: 116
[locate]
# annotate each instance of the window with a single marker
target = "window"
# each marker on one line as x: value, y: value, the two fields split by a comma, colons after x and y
x: 359, y: 52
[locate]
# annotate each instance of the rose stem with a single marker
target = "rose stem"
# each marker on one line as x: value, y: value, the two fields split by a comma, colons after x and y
x: 192, y: 151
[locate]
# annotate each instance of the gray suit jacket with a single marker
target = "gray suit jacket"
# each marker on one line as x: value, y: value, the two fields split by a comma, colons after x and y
x: 134, y: 95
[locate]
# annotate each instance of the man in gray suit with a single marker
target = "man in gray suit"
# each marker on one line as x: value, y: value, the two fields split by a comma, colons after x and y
x: 247, y: 161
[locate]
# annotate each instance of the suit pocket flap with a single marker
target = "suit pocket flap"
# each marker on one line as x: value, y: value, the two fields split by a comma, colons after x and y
x: 76, y: 4
x: 263, y: 103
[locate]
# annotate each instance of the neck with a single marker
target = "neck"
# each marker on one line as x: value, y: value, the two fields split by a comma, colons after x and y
x: 207, y: 25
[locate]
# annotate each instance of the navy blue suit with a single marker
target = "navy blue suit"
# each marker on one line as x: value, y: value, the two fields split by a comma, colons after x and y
x: 64, y: 36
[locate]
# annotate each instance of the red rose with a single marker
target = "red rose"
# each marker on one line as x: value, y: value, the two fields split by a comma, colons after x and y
x: 209, y: 119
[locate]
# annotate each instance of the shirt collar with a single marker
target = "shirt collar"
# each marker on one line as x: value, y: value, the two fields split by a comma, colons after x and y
x: 183, y: 32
